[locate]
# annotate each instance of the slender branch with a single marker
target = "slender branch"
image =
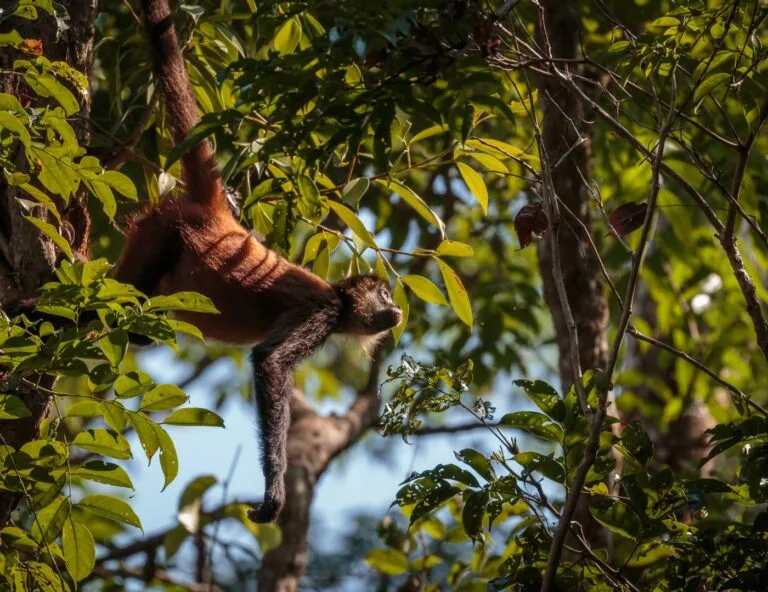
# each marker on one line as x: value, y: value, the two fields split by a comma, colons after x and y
x: 696, y: 364
x: 593, y: 444
x: 453, y: 429
x: 738, y: 177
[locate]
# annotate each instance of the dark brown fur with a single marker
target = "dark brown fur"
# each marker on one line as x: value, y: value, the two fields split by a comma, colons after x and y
x: 195, y: 243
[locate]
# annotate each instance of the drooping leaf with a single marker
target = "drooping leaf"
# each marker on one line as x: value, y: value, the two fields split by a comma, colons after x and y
x: 354, y: 191
x: 169, y: 461
x: 104, y: 442
x: 451, y: 248
x: 12, y: 407
x: 163, y: 397
x: 194, y: 416
x: 473, y: 513
x: 457, y: 294
x: 79, y: 549
x: 388, y: 561
x: 288, y: 36
x: 628, y: 217
x: 534, y: 423
x: 112, y: 508
x: 475, y: 183
x: 103, y: 472
x: 424, y: 289
x: 353, y: 223
x: 529, y: 220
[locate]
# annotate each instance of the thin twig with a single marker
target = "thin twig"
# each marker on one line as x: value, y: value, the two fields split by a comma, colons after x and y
x: 593, y: 444
x: 696, y: 364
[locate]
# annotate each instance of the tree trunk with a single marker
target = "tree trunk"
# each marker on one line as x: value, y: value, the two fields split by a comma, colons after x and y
x: 26, y: 257
x: 565, y: 135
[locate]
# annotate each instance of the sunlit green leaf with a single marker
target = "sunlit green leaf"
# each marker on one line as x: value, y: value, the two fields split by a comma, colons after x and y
x: 110, y: 507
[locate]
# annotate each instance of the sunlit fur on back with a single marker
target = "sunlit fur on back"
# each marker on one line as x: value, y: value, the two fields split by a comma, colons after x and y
x: 194, y: 243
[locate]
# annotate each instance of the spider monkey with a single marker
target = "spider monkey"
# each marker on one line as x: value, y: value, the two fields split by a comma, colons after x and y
x: 194, y: 243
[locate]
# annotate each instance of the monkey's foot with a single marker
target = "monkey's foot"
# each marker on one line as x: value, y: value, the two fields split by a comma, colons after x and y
x: 264, y: 512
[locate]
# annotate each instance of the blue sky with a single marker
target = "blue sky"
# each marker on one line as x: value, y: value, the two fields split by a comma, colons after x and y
x: 354, y: 483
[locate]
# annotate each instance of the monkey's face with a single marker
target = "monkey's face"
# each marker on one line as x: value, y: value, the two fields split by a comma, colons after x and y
x: 367, y: 306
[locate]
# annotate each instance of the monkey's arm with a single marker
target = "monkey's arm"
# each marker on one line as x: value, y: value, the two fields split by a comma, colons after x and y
x: 274, y: 361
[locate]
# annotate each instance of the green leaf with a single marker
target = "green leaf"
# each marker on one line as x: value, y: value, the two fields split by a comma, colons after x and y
x: 308, y: 191
x: 456, y: 293
x: 173, y: 540
x: 664, y: 22
x: 186, y: 301
x: 79, y: 549
x: 53, y: 234
x: 432, y: 500
x: 450, y: 248
x: 133, y: 384
x: 47, y: 86
x: 15, y: 538
x: 12, y: 407
x: 388, y: 561
x: 196, y: 489
x: 534, y: 423
x: 617, y: 517
x: 354, y: 191
x: 42, y: 199
x: 410, y: 197
x: 115, y: 416
x: 103, y: 472
x: 145, y: 430
x: 475, y: 183
x: 169, y: 461
x: 194, y: 416
x: 428, y: 133
x: 496, y: 148
x: 473, y: 513
x: 288, y: 36
x: 12, y: 123
x: 709, y: 84
x: 400, y: 298
x: 163, y: 397
x: 103, y: 442
x: 424, y: 289
x: 104, y: 194
x: 545, y: 397
x: 50, y: 520
x: 120, y: 183
x: 636, y: 442
x: 353, y: 223
x: 10, y: 103
x: 85, y: 408
x: 477, y: 461
x: 114, y: 345
x: 112, y: 508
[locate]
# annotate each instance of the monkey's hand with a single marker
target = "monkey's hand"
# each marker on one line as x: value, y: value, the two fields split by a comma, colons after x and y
x: 267, y: 511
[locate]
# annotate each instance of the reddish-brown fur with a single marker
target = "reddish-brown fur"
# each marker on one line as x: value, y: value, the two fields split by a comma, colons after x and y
x: 195, y: 244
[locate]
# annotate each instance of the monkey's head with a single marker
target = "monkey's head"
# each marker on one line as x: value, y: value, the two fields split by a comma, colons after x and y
x: 367, y: 309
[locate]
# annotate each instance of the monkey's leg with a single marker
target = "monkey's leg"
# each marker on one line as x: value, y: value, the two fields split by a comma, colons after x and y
x: 274, y: 361
x: 152, y: 250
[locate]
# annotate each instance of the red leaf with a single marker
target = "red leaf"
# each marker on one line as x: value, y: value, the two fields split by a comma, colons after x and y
x: 628, y: 217
x: 530, y: 219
